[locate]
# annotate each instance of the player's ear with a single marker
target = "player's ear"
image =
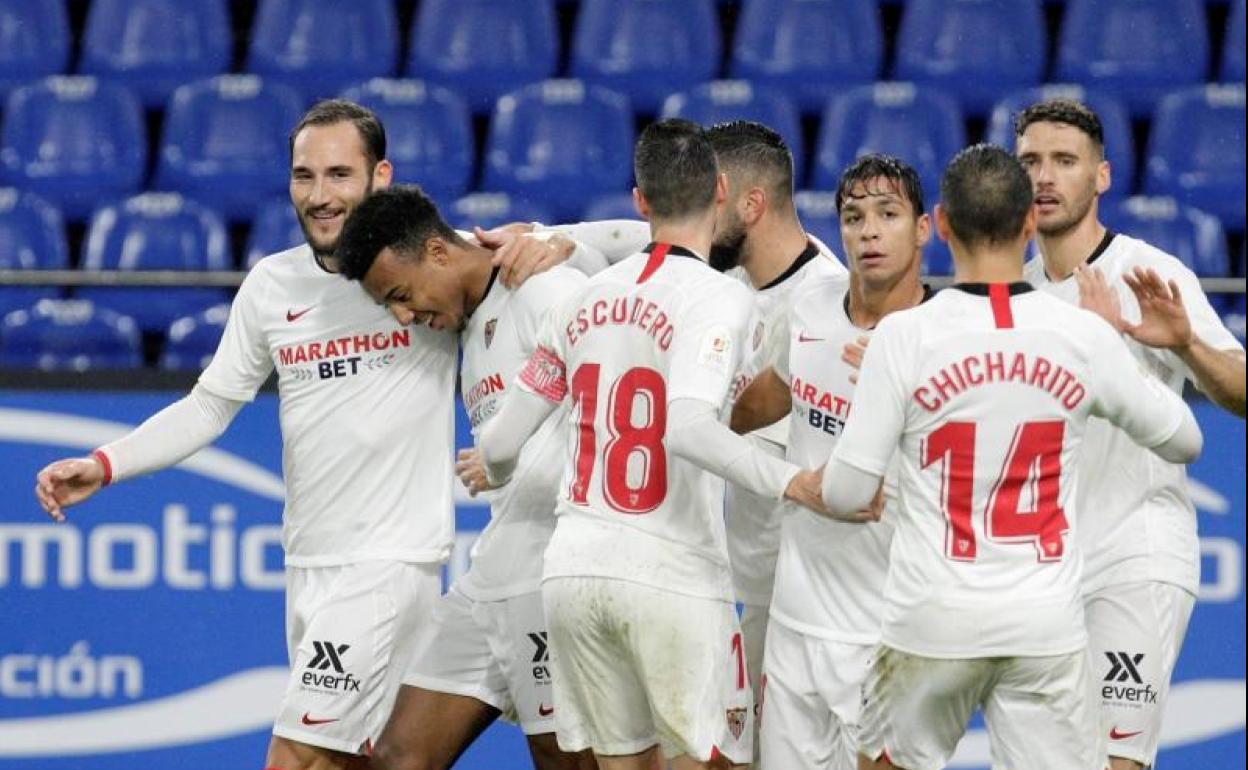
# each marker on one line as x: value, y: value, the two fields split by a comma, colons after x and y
x: 383, y: 174
x: 640, y: 202
x: 721, y: 188
x: 923, y: 230
x: 1104, y: 177
x: 437, y: 251
x: 1029, y: 224
x: 942, y: 224
x: 755, y: 200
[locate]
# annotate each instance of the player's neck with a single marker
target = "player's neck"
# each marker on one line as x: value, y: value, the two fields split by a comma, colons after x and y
x: 772, y: 246
x: 868, y: 305
x: 477, y: 269
x: 1063, y: 252
x: 693, y: 234
x: 996, y: 263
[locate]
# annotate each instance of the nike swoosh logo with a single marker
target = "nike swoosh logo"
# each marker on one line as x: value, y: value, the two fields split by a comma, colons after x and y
x: 292, y: 316
x: 801, y: 337
x: 307, y: 720
x: 544, y: 711
x: 1114, y: 735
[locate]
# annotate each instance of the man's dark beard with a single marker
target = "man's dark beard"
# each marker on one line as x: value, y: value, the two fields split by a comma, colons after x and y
x: 725, y: 256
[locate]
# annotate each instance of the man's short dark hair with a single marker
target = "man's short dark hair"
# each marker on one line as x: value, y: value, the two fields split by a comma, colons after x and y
x: 750, y: 150
x: 402, y: 218
x: 986, y: 195
x: 675, y: 168
x: 331, y: 111
x: 1061, y: 110
x: 871, y: 167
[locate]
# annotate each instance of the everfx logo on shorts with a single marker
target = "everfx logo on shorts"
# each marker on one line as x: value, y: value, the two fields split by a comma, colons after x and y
x: 329, y: 655
x: 1124, y: 668
x: 541, y: 656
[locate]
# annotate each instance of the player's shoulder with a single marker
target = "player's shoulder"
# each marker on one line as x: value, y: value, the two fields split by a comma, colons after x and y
x: 551, y: 285
x: 827, y: 262
x: 1126, y: 252
x: 279, y: 269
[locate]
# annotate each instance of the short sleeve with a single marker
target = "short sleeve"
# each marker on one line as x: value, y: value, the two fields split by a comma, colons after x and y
x: 242, y: 361
x: 713, y: 343
x: 878, y: 418
x: 1126, y: 395
x: 539, y: 297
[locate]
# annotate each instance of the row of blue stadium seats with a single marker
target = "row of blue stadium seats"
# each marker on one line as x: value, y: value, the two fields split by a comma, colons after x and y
x: 163, y: 231
x: 79, y: 335
x: 646, y: 49
x: 78, y: 140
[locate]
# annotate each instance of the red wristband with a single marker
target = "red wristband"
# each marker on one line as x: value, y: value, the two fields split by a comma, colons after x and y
x: 108, y: 466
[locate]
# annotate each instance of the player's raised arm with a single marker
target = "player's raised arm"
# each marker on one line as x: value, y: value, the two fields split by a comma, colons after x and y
x: 1153, y: 416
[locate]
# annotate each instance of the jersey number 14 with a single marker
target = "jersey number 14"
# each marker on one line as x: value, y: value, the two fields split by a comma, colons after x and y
x: 1034, y: 458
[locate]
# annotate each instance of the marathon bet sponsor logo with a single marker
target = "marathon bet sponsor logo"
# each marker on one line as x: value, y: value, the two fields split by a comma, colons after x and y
x: 328, y: 657
x: 1122, y: 678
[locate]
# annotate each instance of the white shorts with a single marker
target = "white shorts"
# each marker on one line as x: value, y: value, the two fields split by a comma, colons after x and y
x: 1135, y: 633
x: 809, y: 715
x: 754, y: 619
x: 495, y: 652
x: 1039, y: 710
x: 349, y: 633
x: 637, y: 666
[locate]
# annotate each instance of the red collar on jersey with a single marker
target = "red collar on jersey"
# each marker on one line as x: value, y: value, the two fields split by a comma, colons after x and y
x: 998, y: 297
x: 658, y: 252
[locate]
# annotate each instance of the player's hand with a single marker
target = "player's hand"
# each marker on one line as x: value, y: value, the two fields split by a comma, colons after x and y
x: 1097, y: 295
x: 68, y: 482
x: 852, y: 354
x: 806, y: 489
x: 1164, y: 322
x: 471, y: 471
x: 520, y: 257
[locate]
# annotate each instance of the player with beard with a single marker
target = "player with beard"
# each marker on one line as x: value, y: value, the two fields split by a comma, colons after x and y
x: 760, y: 241
x: 825, y: 612
x: 367, y: 416
x: 1141, y: 546
x: 981, y: 396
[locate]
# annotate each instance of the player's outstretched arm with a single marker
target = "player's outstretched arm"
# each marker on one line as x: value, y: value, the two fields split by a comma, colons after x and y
x: 166, y: 438
x: 1166, y: 323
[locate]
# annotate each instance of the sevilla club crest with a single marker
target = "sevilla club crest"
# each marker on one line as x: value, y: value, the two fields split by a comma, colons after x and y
x: 489, y: 330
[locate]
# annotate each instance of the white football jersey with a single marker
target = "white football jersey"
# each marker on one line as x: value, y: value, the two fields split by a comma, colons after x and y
x: 1145, y: 525
x: 367, y: 413
x: 496, y: 342
x: 652, y: 329
x: 754, y: 524
x: 830, y: 574
x: 985, y: 392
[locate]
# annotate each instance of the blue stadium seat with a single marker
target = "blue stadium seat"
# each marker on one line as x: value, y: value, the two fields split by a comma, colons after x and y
x: 192, y: 340
x: 156, y: 231
x: 1136, y: 49
x: 68, y: 334
x: 225, y: 142
x: 35, y: 41
x: 1115, y: 121
x: 1196, y: 151
x: 32, y: 237
x: 153, y: 46
x: 560, y: 143
x: 646, y: 49
x: 276, y: 228
x: 922, y: 127
x: 1190, y: 234
x: 487, y: 210
x: 808, y: 48
x: 74, y: 141
x: 973, y: 49
x: 611, y: 206
x: 319, y: 47
x: 428, y: 133
x: 1233, y: 46
x: 724, y: 100
x: 481, y: 49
